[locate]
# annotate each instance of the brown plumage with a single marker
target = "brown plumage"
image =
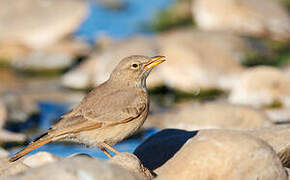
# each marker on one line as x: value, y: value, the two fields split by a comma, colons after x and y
x: 111, y: 112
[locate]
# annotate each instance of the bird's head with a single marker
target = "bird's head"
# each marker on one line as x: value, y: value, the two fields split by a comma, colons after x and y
x: 133, y: 70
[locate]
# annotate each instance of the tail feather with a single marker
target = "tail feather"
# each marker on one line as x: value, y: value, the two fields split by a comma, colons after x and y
x: 39, y: 142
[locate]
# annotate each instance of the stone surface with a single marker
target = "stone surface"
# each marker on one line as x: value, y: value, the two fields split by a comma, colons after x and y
x: 231, y: 155
x: 99, y: 66
x: 19, y: 107
x: 278, y: 115
x: 74, y: 169
x: 247, y: 17
x: 39, y: 23
x: 213, y: 154
x: 132, y: 163
x: 160, y: 147
x: 3, y: 114
x: 23, y: 164
x: 39, y: 159
x: 194, y: 116
x: 39, y: 61
x: 7, y: 136
x: 278, y: 137
x: 52, y: 58
x: 200, y: 60
x: 3, y: 153
x: 262, y: 86
x: 7, y: 169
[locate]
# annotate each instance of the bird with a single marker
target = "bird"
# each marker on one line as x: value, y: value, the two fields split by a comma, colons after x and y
x: 109, y: 113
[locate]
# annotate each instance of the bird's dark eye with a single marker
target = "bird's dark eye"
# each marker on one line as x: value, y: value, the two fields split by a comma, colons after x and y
x: 134, y: 65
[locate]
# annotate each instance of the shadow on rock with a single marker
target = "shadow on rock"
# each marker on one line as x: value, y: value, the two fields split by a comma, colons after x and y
x: 159, y: 148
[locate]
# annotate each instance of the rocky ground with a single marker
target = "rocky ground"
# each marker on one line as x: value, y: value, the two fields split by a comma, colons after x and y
x: 221, y: 101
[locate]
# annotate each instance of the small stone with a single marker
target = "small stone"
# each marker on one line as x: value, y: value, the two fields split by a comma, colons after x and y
x: 19, y: 107
x: 278, y: 115
x: 194, y: 116
x: 39, y: 159
x: 74, y: 169
x: 131, y: 162
x: 3, y: 153
x: 259, y: 18
x: 41, y: 61
x: 262, y: 86
x: 3, y: 114
x: 7, y: 136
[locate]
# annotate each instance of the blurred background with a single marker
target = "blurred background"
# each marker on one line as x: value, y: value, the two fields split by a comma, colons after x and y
x: 228, y: 63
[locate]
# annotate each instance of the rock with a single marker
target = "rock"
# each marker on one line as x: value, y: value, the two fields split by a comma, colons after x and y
x: 3, y: 153
x: 7, y: 169
x: 52, y: 58
x: 9, y: 51
x: 213, y: 154
x: 40, y: 62
x: 194, y: 116
x: 23, y: 164
x: 112, y: 4
x: 257, y: 18
x: 288, y: 172
x: 76, y: 168
x: 200, y: 60
x: 160, y: 147
x: 132, y: 163
x: 19, y: 107
x: 3, y: 114
x: 278, y: 138
x: 39, y: 159
x: 39, y: 23
x: 70, y: 47
x: 7, y: 136
x: 231, y: 155
x: 278, y: 115
x: 98, y: 67
x: 262, y: 86
x: 9, y: 81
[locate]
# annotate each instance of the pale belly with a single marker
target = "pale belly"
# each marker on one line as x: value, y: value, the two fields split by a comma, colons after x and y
x: 110, y: 135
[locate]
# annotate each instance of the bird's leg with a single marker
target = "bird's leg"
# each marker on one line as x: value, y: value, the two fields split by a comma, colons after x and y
x: 110, y: 148
x: 106, y: 152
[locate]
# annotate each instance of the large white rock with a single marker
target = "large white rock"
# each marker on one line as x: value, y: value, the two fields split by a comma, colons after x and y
x: 223, y: 154
x: 200, y: 60
x: 262, y: 86
x: 246, y: 17
x: 194, y: 116
x: 39, y: 23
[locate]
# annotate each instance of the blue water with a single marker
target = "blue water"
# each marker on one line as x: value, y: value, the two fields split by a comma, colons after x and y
x: 63, y: 150
x: 131, y: 20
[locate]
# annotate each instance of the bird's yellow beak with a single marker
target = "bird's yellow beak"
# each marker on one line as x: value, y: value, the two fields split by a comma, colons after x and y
x: 155, y: 61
